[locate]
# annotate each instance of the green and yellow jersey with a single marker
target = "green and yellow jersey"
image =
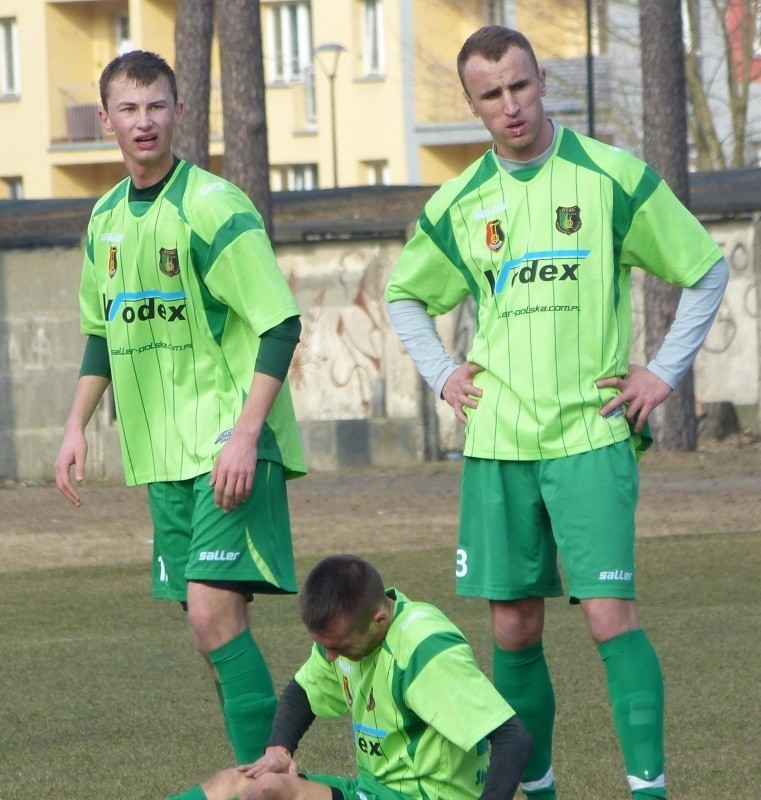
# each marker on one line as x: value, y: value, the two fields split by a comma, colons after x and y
x: 182, y: 288
x: 547, y: 254
x: 421, y: 708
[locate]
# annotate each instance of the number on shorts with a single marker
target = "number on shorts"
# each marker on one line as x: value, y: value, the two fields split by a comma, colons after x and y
x: 461, y: 570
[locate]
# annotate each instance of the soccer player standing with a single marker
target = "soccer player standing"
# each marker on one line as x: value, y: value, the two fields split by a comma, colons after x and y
x: 189, y: 318
x: 543, y: 232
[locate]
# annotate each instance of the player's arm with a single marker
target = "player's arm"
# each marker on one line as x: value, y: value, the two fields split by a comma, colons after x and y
x: 510, y: 748
x: 293, y: 719
x: 94, y: 378
x: 449, y: 380
x: 645, y: 388
x: 233, y: 473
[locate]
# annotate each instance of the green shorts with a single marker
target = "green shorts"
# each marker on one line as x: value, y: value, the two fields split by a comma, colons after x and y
x: 517, y: 516
x: 363, y: 787
x: 193, y: 540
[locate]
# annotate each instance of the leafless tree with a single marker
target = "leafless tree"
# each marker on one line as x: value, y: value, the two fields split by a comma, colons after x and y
x: 665, y: 142
x: 192, y: 38
x: 243, y: 101
x: 734, y: 21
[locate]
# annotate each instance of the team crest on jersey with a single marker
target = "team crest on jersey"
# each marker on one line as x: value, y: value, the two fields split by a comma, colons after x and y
x: 568, y: 219
x: 347, y: 692
x: 495, y: 236
x: 169, y: 262
x: 113, y: 261
x: 370, y: 701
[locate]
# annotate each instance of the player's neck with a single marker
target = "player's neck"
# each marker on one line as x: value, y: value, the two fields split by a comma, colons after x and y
x: 144, y: 176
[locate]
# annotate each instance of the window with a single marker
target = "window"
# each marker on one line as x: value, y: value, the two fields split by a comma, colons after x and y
x: 496, y: 12
x: 9, y: 66
x: 377, y: 173
x: 289, y: 36
x: 123, y: 41
x: 13, y: 188
x: 374, y: 56
x: 293, y: 177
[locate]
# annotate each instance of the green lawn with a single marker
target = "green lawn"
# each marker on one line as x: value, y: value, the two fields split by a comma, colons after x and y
x: 103, y: 696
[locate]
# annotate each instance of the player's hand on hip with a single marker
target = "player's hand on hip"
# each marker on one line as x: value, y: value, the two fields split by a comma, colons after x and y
x: 73, y: 452
x: 233, y: 473
x: 640, y: 391
x: 459, y: 390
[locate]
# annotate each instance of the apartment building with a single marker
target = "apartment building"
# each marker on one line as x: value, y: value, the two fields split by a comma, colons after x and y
x: 358, y: 91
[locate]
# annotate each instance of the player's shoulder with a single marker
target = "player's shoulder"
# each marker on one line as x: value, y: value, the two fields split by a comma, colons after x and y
x: 416, y: 622
x: 110, y: 199
x: 202, y: 187
x: 452, y: 191
x: 209, y: 201
x: 620, y: 165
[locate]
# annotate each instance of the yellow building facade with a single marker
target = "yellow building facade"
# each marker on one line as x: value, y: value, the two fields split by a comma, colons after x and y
x: 358, y: 91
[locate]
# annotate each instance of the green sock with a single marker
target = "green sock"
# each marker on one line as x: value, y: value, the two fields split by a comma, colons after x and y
x: 523, y: 679
x: 221, y: 697
x: 196, y: 793
x: 248, y: 693
x: 635, y: 687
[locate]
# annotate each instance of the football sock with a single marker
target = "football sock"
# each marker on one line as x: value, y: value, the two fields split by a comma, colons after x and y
x: 523, y: 679
x: 248, y: 694
x: 635, y: 687
x: 196, y: 793
x: 228, y: 733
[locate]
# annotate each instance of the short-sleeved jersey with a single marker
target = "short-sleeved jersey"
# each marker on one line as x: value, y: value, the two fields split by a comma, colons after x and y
x: 421, y: 708
x: 547, y: 255
x: 182, y: 294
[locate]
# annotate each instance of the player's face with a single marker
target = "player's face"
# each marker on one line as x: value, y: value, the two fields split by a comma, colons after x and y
x: 507, y: 96
x: 143, y: 119
x: 343, y: 637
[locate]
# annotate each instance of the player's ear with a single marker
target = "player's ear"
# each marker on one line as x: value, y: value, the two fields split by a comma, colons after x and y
x: 470, y: 104
x: 105, y: 121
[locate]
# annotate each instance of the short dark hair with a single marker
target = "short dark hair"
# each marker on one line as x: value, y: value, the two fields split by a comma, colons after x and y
x: 491, y: 42
x: 340, y: 586
x: 140, y: 66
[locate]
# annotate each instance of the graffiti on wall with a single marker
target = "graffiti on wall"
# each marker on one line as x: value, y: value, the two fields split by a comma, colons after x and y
x: 339, y: 362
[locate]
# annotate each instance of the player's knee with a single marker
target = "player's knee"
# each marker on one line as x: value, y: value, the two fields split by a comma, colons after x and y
x: 609, y: 617
x: 518, y: 624
x: 225, y: 784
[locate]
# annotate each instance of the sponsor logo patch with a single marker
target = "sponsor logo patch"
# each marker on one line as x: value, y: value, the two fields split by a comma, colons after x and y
x: 495, y: 236
x: 169, y: 262
x: 113, y: 261
x: 568, y: 219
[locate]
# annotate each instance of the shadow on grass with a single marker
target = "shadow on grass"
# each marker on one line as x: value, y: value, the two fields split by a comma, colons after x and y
x: 103, y: 695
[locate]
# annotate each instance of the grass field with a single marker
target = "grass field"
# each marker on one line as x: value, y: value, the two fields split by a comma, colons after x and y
x: 104, y: 697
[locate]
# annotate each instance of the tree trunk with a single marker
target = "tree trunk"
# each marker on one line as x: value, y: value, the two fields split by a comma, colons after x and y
x: 192, y: 41
x: 245, y: 121
x: 665, y: 145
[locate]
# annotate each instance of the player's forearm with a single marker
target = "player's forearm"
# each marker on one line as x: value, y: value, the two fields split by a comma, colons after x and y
x: 87, y: 395
x: 695, y: 314
x: 293, y: 718
x: 417, y: 332
x: 510, y: 748
x: 261, y: 397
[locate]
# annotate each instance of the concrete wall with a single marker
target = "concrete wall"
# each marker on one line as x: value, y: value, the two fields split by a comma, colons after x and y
x: 358, y: 397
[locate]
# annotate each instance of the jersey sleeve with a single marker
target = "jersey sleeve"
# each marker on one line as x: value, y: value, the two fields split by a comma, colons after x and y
x: 235, y: 259
x: 425, y: 270
x: 91, y: 315
x: 666, y: 240
x: 447, y: 690
x: 320, y: 680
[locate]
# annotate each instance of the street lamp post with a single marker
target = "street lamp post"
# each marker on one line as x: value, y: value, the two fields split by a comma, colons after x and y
x: 327, y: 56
